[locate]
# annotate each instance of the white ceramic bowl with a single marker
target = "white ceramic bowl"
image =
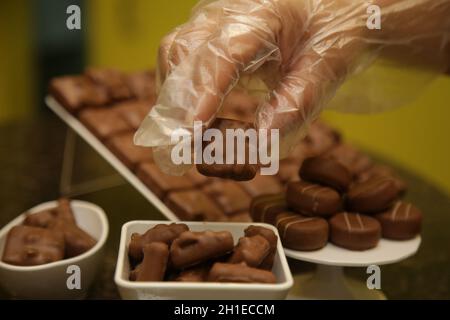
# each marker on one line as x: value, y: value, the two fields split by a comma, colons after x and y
x: 49, y: 281
x: 199, y: 291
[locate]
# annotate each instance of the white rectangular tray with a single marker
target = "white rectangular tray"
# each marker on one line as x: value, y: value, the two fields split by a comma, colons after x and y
x: 97, y: 145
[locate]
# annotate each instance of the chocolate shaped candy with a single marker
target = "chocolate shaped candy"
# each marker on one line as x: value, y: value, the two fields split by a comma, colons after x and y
x: 153, y: 266
x: 165, y: 233
x: 103, y: 123
x: 77, y: 241
x: 233, y: 171
x: 228, y: 195
x: 354, y: 231
x: 271, y: 237
x: 354, y: 160
x: 251, y: 250
x: 265, y: 208
x: 313, y: 199
x: 192, y: 248
x: 373, y: 195
x: 64, y: 211
x: 326, y: 171
x: 303, y: 233
x: 41, y: 219
x: 30, y: 246
x: 131, y: 155
x: 197, y: 273
x: 229, y: 272
x: 403, y: 221
x: 383, y: 171
x: 193, y: 205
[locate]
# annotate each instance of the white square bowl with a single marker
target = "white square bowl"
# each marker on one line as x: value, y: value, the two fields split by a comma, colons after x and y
x: 204, y: 290
x: 49, y: 281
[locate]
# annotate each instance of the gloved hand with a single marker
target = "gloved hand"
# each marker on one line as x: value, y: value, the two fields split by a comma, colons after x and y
x: 303, y: 50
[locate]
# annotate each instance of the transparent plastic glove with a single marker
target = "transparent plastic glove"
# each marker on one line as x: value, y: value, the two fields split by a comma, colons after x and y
x: 303, y: 50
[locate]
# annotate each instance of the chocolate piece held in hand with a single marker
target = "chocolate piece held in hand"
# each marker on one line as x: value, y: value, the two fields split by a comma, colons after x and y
x: 30, y: 246
x: 354, y: 231
x: 403, y: 221
x: 265, y: 208
x: 326, y: 171
x: 165, y: 233
x: 233, y: 171
x: 302, y: 233
x: 241, y: 273
x: 313, y: 199
x: 373, y: 195
x: 192, y: 248
x: 153, y: 266
x: 251, y: 250
x: 271, y: 237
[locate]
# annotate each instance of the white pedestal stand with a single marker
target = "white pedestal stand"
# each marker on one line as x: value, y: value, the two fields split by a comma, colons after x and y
x: 329, y: 281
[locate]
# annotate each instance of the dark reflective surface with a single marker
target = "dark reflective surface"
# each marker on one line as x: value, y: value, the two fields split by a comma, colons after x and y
x: 30, y: 164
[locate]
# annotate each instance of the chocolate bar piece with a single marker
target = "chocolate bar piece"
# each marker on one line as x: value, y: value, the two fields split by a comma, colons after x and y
x: 114, y: 81
x: 123, y: 147
x: 103, y: 123
x: 240, y: 172
x: 133, y: 112
x: 302, y: 233
x: 241, y: 273
x: 265, y: 208
x: 41, y: 219
x: 196, y: 178
x: 142, y: 85
x: 165, y: 233
x: 403, y: 221
x: 251, y: 250
x: 30, y: 246
x: 271, y: 237
x: 77, y: 241
x: 326, y: 171
x: 228, y: 195
x: 373, y: 195
x: 192, y: 248
x: 76, y: 92
x: 313, y: 199
x: 354, y: 231
x: 153, y: 266
x: 261, y: 185
x: 193, y: 205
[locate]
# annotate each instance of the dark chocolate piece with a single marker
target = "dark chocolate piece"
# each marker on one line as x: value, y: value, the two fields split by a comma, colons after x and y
x: 326, y: 171
x: 228, y: 195
x: 165, y: 233
x: 302, y: 233
x: 103, y: 123
x: 192, y: 248
x: 402, y: 222
x: 271, y: 237
x: 265, y: 208
x: 251, y: 250
x: 197, y: 273
x: 240, y: 172
x: 153, y: 266
x: 383, y: 171
x: 354, y: 231
x: 261, y: 185
x: 30, y: 246
x: 241, y: 273
x: 193, y: 205
x: 373, y: 195
x: 313, y: 199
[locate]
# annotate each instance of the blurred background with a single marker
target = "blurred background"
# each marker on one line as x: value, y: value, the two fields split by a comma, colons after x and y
x: 36, y: 45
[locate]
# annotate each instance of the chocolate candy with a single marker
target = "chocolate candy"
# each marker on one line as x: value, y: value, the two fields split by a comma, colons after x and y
x: 77, y: 241
x: 193, y: 205
x: 128, y: 153
x: 192, y: 248
x: 76, y: 92
x: 228, y: 195
x: 103, y: 123
x: 243, y: 216
x: 303, y: 233
x: 373, y: 195
x: 233, y: 171
x: 326, y: 171
x: 30, y: 246
x: 112, y: 80
x: 261, y: 185
x: 383, y: 171
x: 354, y: 160
x: 153, y: 266
x: 403, y: 221
x: 320, y: 138
x: 196, y: 178
x: 133, y: 112
x: 142, y: 85
x: 265, y: 208
x: 251, y: 250
x: 288, y: 171
x: 195, y: 274
x: 64, y: 211
x: 160, y: 183
x: 271, y: 237
x: 354, y: 231
x: 241, y: 273
x: 165, y: 233
x: 313, y: 199
x: 42, y: 219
